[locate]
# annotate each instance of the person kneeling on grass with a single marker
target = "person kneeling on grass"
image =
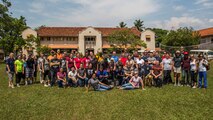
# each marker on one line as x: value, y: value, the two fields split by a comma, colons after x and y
x: 97, y: 85
x: 61, y: 75
x: 134, y: 83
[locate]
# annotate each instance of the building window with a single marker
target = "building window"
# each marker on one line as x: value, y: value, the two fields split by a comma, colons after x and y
x: 212, y: 40
x: 90, y: 40
x: 48, y: 38
x: 42, y: 38
x: 148, y: 38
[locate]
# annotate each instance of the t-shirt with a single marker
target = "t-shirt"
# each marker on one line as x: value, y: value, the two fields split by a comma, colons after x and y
x: 167, y: 64
x: 77, y: 62
x: 151, y: 59
x: 158, y: 58
x: 94, y: 83
x: 128, y: 70
x: 202, y: 67
x: 140, y: 61
x: 61, y: 75
x: 10, y: 63
x: 81, y: 72
x: 186, y: 64
x: 146, y: 69
x: 30, y: 63
x: 123, y: 60
x: 46, y: 65
x: 135, y: 81
x: 86, y: 62
x: 70, y: 62
x: 19, y: 65
x: 115, y: 58
x: 102, y: 73
x: 89, y: 72
x: 40, y: 61
x: 156, y: 69
x: 72, y: 74
x: 177, y: 61
x: 193, y: 66
x: 63, y: 63
x: 55, y: 67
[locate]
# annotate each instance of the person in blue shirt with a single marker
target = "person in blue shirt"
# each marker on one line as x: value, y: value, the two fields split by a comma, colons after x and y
x: 10, y: 68
x: 102, y: 75
x: 116, y: 58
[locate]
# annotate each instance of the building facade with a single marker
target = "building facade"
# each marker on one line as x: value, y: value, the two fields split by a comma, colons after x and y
x: 206, y: 41
x: 85, y: 38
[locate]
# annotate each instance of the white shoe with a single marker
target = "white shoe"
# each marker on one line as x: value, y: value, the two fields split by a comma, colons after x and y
x: 26, y: 82
x: 175, y: 84
x: 179, y: 84
x: 45, y: 85
x: 18, y: 85
x: 31, y: 82
x: 12, y: 86
x: 194, y: 87
x: 143, y: 89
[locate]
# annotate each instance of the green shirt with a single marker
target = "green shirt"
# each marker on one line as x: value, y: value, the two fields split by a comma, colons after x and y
x: 19, y: 65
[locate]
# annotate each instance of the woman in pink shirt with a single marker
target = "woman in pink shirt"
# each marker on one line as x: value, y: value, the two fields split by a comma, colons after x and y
x: 61, y: 75
x: 70, y: 62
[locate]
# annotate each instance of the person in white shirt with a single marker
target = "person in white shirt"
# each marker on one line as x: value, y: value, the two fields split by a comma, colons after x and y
x: 72, y: 77
x: 202, y: 68
x: 167, y: 67
x: 193, y: 71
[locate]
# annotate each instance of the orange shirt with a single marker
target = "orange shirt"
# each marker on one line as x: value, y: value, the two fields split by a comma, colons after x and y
x: 59, y: 55
x: 50, y: 57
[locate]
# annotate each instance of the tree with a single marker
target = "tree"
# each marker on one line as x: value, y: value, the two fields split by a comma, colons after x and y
x: 122, y: 25
x: 139, y: 24
x: 181, y: 37
x: 125, y: 39
x: 10, y: 29
x: 159, y: 33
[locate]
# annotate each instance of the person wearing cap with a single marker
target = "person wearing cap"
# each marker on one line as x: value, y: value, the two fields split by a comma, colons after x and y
x: 186, y: 69
x: 167, y: 67
x: 134, y: 83
x: 157, y: 72
x: 202, y: 68
x: 10, y: 69
x: 30, y: 69
x: 177, y: 61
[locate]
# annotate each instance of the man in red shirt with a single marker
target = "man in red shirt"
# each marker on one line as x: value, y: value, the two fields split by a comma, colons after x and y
x: 123, y: 59
x: 86, y: 60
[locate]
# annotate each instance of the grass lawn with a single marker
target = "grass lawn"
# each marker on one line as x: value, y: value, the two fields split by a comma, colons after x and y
x: 37, y: 102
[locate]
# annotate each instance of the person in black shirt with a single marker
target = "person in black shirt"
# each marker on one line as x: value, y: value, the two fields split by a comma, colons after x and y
x: 10, y: 68
x: 89, y: 71
x: 54, y: 68
x: 30, y: 69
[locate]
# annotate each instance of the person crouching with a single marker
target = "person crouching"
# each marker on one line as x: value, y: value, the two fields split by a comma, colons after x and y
x: 61, y: 76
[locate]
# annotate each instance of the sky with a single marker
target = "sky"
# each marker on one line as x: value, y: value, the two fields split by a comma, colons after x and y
x: 165, y: 14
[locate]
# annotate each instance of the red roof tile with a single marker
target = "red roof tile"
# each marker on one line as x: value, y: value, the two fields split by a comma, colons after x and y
x: 74, y: 31
x: 206, y: 32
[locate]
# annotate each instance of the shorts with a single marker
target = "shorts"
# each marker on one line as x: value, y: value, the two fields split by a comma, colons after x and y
x: 177, y: 69
x: 29, y: 73
x: 10, y: 76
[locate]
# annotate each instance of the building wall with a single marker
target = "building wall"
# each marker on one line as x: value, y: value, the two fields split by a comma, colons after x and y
x: 206, y: 42
x: 151, y: 43
x: 27, y: 32
x: 90, y: 32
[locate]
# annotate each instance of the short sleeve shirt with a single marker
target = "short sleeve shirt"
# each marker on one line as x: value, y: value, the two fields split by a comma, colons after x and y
x: 19, y: 65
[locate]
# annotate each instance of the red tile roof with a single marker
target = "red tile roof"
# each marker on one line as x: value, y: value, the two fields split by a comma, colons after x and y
x: 206, y: 32
x: 74, y: 31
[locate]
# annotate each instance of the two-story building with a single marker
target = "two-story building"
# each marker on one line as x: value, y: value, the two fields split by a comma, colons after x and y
x: 85, y: 38
x: 206, y: 41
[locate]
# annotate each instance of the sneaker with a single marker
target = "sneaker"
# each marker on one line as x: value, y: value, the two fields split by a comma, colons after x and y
x: 175, y: 84
x: 42, y: 81
x: 12, y: 86
x: 179, y: 84
x: 45, y: 85
x: 31, y: 82
x: 194, y: 87
x: 9, y: 86
x: 18, y: 85
x: 26, y: 83
x: 143, y: 89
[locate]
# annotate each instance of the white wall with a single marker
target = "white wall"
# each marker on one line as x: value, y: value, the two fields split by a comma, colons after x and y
x: 150, y: 44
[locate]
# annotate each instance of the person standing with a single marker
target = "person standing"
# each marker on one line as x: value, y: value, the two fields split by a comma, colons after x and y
x: 167, y: 67
x: 40, y: 61
x: 77, y: 61
x: 193, y: 71
x: 46, y: 71
x: 54, y: 68
x: 177, y: 61
x: 10, y: 68
x: 203, y: 63
x: 19, y: 69
x: 186, y: 69
x: 70, y: 62
x: 30, y: 69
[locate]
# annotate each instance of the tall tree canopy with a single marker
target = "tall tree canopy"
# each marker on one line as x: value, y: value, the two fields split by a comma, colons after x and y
x: 181, y: 37
x: 122, y: 25
x: 10, y: 29
x: 139, y: 24
x: 125, y: 39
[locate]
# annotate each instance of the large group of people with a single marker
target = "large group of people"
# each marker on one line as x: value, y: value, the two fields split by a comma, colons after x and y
x: 104, y: 72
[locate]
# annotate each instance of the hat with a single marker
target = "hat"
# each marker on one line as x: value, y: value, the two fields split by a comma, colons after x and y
x: 185, y: 53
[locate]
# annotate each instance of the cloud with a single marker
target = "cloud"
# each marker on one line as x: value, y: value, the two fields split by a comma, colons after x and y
x: 211, y: 20
x: 98, y: 12
x: 178, y: 8
x: 205, y: 3
x: 184, y: 21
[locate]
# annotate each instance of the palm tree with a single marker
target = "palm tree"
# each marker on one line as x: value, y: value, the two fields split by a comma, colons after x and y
x: 122, y: 25
x: 139, y: 24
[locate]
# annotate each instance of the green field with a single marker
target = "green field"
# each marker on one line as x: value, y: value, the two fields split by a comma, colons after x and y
x: 36, y: 102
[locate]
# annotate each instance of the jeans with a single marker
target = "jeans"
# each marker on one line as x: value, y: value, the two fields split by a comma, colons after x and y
x: 185, y: 77
x: 71, y: 83
x: 120, y: 80
x: 53, y: 77
x: 82, y: 82
x: 202, y: 75
x: 60, y: 83
x: 127, y: 86
x: 102, y: 88
x: 19, y: 75
x: 193, y: 77
x: 167, y: 76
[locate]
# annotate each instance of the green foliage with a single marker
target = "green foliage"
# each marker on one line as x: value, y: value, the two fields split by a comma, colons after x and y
x: 125, y: 38
x: 159, y: 33
x: 139, y: 24
x: 43, y: 49
x: 122, y: 25
x: 10, y: 29
x: 181, y: 37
